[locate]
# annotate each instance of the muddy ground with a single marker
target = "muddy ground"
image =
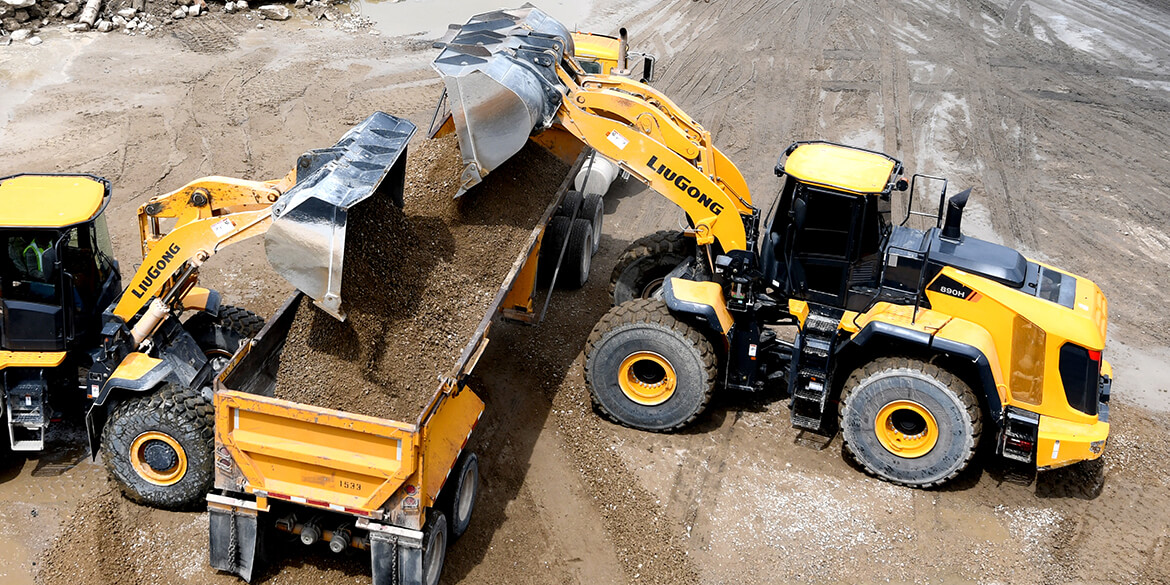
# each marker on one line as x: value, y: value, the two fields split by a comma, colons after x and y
x: 1054, y: 111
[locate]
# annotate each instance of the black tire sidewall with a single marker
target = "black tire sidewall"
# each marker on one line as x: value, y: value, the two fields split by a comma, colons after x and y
x: 955, y: 428
x: 640, y: 273
x: 605, y: 363
x: 593, y: 209
x: 468, y: 462
x: 436, y: 522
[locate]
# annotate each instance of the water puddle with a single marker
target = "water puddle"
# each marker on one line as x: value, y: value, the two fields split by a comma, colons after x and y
x: 428, y: 19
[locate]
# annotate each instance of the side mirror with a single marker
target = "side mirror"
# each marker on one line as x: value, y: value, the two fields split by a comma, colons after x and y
x: 799, y: 212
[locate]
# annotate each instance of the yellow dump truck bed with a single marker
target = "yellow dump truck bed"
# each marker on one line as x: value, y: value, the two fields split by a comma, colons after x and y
x: 380, y: 469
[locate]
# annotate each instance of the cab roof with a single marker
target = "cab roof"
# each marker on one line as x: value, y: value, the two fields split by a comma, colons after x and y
x: 51, y: 201
x: 840, y: 167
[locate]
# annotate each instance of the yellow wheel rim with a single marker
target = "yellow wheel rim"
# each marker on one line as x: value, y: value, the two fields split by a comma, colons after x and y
x: 647, y: 378
x: 175, y: 460
x: 906, y: 429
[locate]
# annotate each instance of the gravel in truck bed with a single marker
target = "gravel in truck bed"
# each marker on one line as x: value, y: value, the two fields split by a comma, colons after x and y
x: 416, y: 282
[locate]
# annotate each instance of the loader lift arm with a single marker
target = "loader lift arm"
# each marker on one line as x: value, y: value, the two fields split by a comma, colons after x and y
x: 209, y: 213
x: 512, y: 74
x: 654, y: 140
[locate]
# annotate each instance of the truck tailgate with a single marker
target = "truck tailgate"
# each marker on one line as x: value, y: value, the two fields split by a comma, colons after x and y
x: 342, y: 459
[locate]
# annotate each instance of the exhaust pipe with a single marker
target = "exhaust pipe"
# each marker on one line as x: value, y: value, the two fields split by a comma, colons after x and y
x: 500, y: 74
x: 306, y: 242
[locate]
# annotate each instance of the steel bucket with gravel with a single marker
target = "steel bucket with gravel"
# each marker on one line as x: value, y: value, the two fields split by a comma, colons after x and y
x: 306, y: 243
x: 500, y: 74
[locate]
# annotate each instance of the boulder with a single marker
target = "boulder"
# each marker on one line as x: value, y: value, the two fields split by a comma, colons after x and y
x: 71, y: 9
x: 179, y: 13
x: 20, y: 35
x: 194, y: 9
x: 275, y: 12
x: 56, y: 9
x: 104, y: 26
x: 78, y: 27
x: 128, y: 13
x: 34, y: 41
x: 19, y: 3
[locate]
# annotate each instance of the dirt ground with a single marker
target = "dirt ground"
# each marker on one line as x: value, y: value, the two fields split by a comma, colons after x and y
x: 1054, y: 111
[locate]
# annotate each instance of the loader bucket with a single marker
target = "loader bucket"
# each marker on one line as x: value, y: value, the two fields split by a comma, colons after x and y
x: 306, y: 242
x: 500, y: 73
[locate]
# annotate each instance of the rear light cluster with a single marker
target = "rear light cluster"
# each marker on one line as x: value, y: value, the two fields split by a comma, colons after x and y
x: 1080, y: 371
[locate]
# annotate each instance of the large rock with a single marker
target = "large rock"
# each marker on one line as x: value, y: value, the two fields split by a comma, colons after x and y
x: 56, y: 9
x: 275, y: 12
x: 19, y: 3
x: 20, y: 35
x: 71, y: 9
x: 78, y: 27
x: 10, y: 24
x: 180, y: 13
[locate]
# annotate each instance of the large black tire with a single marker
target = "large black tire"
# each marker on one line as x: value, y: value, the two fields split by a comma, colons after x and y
x: 571, y: 205
x: 578, y: 256
x: 158, y: 447
x: 435, y: 540
x: 555, y: 234
x: 644, y: 264
x: 648, y: 370
x: 593, y: 209
x: 220, y: 336
x: 464, y: 490
x: 909, y: 422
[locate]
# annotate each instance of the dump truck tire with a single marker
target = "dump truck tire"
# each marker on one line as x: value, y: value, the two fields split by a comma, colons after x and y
x: 158, y: 447
x: 464, y: 490
x: 578, y: 256
x: 593, y: 209
x: 644, y: 264
x: 648, y: 370
x: 909, y: 422
x: 435, y: 540
x: 555, y: 234
x: 220, y: 336
x: 571, y: 205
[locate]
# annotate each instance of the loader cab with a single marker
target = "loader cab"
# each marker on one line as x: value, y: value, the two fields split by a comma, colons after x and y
x: 823, y: 239
x: 57, y: 269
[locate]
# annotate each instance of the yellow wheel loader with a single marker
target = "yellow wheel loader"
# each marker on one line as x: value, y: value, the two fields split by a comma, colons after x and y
x: 72, y: 338
x: 914, y: 343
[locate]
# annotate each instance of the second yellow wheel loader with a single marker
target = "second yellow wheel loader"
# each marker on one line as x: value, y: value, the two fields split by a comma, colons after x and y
x: 74, y: 339
x: 914, y: 343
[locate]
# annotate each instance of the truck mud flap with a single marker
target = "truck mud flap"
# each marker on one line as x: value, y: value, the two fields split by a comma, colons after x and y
x: 237, y: 543
x: 395, y: 560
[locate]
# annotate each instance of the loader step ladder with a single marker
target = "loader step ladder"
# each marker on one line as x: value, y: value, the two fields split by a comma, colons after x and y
x: 27, y: 414
x: 812, y: 368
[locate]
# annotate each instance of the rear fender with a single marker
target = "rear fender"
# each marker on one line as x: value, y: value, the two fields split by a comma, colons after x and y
x: 138, y: 373
x: 702, y: 299
x: 202, y: 299
x: 879, y: 336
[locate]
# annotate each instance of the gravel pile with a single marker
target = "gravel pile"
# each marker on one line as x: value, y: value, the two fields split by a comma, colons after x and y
x: 416, y: 284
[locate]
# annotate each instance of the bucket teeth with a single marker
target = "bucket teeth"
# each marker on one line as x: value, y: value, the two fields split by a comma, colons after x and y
x: 500, y: 74
x: 306, y: 242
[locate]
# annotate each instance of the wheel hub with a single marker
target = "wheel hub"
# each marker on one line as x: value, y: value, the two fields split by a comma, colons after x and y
x: 647, y: 378
x: 159, y: 455
x: 158, y: 458
x: 906, y: 429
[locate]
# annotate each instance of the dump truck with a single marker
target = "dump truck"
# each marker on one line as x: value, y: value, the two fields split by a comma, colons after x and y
x: 915, y: 344
x: 138, y: 358
x: 401, y: 490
